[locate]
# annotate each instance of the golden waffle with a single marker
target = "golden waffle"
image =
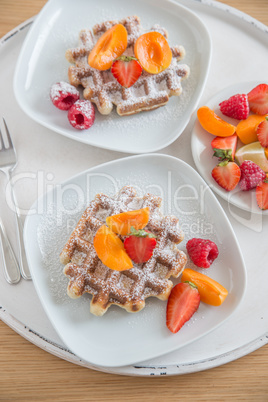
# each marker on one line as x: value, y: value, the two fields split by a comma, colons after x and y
x: 130, y: 288
x: 149, y: 92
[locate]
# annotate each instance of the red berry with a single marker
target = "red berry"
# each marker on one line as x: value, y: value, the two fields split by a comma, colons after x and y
x: 140, y: 245
x: 225, y: 143
x: 202, y: 252
x: 258, y: 99
x: 262, y: 195
x: 63, y: 95
x: 236, y: 107
x: 183, y: 302
x: 262, y: 133
x: 126, y: 70
x: 251, y: 175
x: 226, y: 174
x: 82, y: 114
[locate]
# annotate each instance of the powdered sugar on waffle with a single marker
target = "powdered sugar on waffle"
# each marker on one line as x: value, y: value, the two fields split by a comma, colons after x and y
x: 127, y: 289
x: 149, y: 92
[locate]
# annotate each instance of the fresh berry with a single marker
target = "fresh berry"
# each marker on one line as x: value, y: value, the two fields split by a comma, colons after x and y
x: 183, y: 302
x: 262, y: 194
x: 226, y: 174
x: 236, y: 107
x: 262, y: 133
x: 63, y: 95
x: 126, y: 70
x: 251, y: 175
x: 202, y: 252
x: 227, y: 145
x: 258, y: 99
x: 139, y: 245
x: 82, y: 114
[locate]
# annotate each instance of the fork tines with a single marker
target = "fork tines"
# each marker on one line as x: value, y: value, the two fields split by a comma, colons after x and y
x: 9, y: 140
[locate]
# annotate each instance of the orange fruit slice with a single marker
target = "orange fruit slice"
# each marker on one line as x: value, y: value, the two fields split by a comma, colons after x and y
x: 211, y: 292
x: 247, y: 129
x: 213, y: 123
x: 153, y: 52
x: 121, y: 223
x: 110, y: 250
x: 110, y: 45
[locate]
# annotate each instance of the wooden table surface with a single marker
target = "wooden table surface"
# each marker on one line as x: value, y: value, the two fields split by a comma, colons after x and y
x: 28, y: 373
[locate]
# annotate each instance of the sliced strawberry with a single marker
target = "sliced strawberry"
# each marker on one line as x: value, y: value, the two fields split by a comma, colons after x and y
x: 225, y: 144
x: 227, y: 174
x: 262, y: 194
x: 183, y: 302
x: 258, y: 99
x: 140, y: 245
x: 262, y: 133
x: 126, y: 70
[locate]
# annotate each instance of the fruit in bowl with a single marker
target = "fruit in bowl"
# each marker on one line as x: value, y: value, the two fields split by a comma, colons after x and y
x: 241, y: 148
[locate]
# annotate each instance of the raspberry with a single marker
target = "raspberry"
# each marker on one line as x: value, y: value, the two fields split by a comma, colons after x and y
x: 63, y: 95
x: 202, y: 252
x: 236, y: 107
x: 82, y: 114
x: 251, y: 175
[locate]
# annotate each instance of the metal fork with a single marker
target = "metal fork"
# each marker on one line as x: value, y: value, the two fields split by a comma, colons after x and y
x: 8, y: 161
x: 10, y: 264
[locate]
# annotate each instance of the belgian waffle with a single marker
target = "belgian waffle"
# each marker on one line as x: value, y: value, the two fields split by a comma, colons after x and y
x: 149, y: 92
x: 130, y: 288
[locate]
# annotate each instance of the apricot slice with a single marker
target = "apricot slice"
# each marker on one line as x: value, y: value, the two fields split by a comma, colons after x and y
x: 211, y: 292
x: 110, y: 45
x: 121, y: 223
x: 213, y: 123
x: 247, y: 129
x: 153, y: 52
x: 110, y: 250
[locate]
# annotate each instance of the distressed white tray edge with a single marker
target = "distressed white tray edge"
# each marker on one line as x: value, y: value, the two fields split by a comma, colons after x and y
x: 176, y: 369
x: 57, y: 350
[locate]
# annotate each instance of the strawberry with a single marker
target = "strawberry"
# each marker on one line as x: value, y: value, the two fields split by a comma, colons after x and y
x: 139, y: 245
x: 226, y: 174
x: 251, y: 175
x: 262, y: 133
x: 183, y: 302
x: 236, y: 107
x: 258, y: 99
x: 227, y: 145
x: 126, y: 70
x: 262, y: 194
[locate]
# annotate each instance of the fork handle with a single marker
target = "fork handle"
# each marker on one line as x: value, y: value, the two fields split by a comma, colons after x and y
x: 11, y: 267
x: 24, y: 270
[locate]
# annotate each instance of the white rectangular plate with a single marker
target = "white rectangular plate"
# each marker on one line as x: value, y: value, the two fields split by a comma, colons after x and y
x: 42, y: 63
x: 120, y: 338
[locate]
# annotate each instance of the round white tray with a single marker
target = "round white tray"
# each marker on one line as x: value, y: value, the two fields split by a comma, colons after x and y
x: 52, y: 159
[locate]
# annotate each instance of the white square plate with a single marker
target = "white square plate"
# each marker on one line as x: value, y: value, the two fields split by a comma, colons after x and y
x: 120, y: 338
x: 42, y: 63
